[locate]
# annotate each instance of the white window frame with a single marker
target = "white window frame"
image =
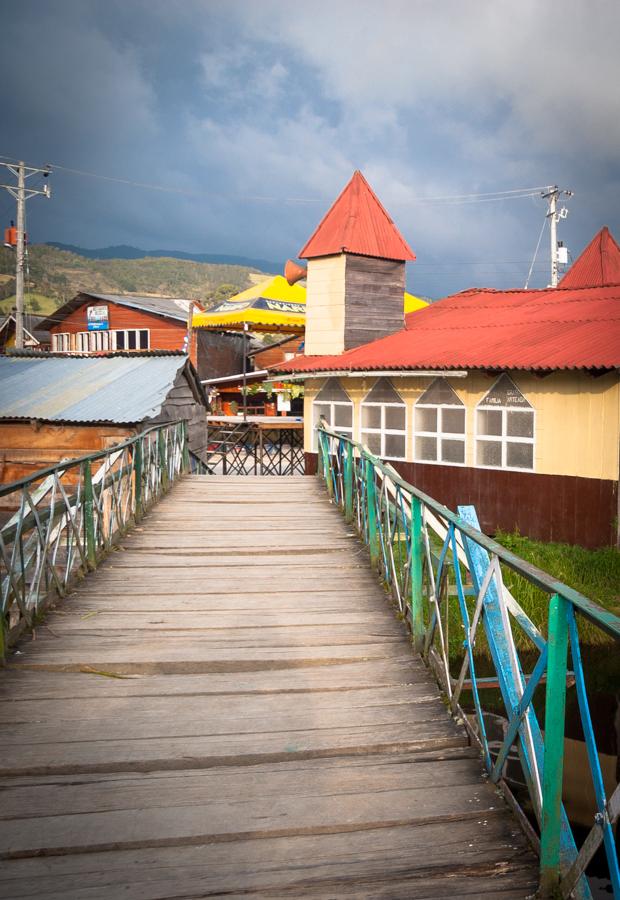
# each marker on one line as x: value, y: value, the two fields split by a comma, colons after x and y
x: 504, y: 438
x: 91, y: 339
x: 440, y: 435
x: 63, y: 337
x: 382, y: 430
x: 332, y: 404
x: 126, y: 332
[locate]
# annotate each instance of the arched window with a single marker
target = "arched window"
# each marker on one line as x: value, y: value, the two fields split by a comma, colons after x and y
x: 384, y: 421
x: 334, y: 404
x: 440, y: 425
x: 505, y: 428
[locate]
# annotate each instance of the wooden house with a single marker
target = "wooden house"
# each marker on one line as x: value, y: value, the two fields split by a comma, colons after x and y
x: 508, y: 400
x: 96, y: 323
x: 35, y: 337
x: 58, y: 407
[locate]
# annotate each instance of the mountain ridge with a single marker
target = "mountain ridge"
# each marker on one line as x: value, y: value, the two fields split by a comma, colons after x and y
x: 127, y: 251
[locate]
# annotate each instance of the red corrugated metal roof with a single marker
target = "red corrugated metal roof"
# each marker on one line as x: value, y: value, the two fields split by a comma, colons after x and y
x: 487, y: 329
x: 598, y: 264
x: 357, y: 223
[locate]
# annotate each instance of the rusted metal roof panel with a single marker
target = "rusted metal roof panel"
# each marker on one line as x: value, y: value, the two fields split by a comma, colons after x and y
x: 488, y: 329
x: 357, y: 223
x: 88, y: 389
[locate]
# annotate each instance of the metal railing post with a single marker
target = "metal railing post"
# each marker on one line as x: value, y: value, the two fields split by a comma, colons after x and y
x: 373, y: 543
x: 89, y: 516
x: 185, y: 446
x: 417, y: 610
x: 348, y: 483
x: 162, y: 460
x: 555, y: 703
x: 137, y: 469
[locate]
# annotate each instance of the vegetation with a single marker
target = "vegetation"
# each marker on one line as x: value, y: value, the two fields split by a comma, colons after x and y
x: 594, y: 573
x: 37, y: 304
x: 59, y: 275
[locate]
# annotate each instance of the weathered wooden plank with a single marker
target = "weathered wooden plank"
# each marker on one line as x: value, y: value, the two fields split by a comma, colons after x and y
x: 241, y: 817
x: 367, y: 859
x: 19, y: 685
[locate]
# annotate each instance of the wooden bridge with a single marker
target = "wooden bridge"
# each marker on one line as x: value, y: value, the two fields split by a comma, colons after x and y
x: 229, y: 707
x: 231, y: 704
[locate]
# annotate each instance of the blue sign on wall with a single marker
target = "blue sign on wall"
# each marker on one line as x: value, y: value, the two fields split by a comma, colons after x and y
x: 97, y: 318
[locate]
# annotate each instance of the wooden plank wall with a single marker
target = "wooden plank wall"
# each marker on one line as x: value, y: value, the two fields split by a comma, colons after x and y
x: 181, y: 403
x: 374, y: 291
x: 165, y: 334
x: 26, y: 447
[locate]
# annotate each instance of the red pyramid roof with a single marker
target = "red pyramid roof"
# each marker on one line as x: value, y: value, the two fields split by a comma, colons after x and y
x: 357, y: 223
x: 599, y: 264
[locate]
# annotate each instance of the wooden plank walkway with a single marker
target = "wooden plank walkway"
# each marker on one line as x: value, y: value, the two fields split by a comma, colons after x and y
x: 276, y: 737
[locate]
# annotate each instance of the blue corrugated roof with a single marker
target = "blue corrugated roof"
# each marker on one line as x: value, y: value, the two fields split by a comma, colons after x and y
x: 86, y: 389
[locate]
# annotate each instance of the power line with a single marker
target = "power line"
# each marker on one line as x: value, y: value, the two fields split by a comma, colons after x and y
x: 485, y: 197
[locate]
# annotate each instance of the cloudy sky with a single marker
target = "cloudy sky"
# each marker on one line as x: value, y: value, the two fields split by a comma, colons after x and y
x: 247, y: 117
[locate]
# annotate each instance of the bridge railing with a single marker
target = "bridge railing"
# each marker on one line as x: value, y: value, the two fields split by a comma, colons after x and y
x: 65, y: 518
x: 447, y: 576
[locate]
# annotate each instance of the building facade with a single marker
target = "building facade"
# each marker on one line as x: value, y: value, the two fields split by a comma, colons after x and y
x: 507, y: 400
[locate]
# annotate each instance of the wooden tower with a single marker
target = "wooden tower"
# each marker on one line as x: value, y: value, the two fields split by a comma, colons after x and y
x: 356, y: 273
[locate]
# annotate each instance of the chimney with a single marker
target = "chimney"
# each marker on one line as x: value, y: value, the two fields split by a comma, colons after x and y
x: 356, y: 273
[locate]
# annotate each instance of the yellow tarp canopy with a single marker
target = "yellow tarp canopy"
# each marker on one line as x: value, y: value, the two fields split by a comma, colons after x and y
x: 272, y: 305
x: 412, y: 304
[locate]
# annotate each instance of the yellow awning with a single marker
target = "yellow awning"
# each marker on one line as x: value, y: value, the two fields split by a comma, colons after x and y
x: 412, y: 304
x: 272, y: 305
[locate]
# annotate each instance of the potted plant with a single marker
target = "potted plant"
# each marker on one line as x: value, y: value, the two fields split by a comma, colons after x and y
x: 270, y: 406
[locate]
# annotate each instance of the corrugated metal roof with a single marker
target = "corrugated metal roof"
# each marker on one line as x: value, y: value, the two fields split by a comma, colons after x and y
x: 599, y: 263
x: 119, y: 389
x: 170, y: 307
x: 489, y: 329
x: 357, y: 223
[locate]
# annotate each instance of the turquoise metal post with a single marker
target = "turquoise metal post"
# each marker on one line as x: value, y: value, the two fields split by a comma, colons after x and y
x: 89, y: 516
x: 327, y: 465
x: 137, y: 474
x: 348, y: 483
x: 417, y: 612
x: 373, y: 543
x: 555, y: 703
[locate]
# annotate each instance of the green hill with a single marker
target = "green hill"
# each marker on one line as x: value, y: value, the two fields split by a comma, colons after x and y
x: 55, y: 276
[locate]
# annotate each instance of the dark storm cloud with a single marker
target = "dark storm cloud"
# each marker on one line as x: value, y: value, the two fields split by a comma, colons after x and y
x: 259, y: 112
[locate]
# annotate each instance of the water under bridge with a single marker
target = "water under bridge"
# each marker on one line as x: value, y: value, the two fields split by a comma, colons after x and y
x: 230, y: 704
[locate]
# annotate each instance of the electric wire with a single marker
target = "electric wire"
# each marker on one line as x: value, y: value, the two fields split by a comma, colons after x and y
x: 529, y: 274
x: 484, y: 197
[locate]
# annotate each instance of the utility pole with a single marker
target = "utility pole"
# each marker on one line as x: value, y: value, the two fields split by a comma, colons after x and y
x: 552, y: 194
x: 21, y: 194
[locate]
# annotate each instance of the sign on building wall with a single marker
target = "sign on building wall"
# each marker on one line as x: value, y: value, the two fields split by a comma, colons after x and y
x: 97, y: 318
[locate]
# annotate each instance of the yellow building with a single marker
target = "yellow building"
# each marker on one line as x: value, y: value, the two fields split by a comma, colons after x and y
x: 508, y: 400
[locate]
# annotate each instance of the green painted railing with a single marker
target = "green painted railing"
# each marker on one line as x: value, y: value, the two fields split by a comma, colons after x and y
x: 64, y: 519
x: 444, y: 573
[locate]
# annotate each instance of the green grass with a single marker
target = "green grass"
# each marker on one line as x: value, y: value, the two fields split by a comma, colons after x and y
x: 36, y: 304
x: 594, y: 573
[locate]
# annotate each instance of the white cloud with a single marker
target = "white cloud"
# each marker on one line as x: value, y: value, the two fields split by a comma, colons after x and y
x: 550, y: 70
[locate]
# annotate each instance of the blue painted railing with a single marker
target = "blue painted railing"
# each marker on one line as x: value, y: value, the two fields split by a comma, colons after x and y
x: 433, y: 559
